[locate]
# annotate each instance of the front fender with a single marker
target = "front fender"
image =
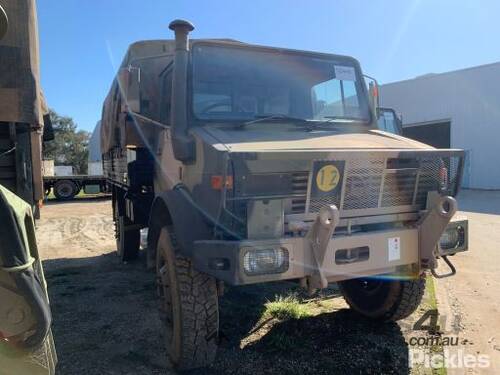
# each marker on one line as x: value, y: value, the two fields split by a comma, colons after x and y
x: 175, y: 208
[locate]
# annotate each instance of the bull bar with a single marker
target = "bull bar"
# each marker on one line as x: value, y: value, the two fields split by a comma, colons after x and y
x: 314, y: 258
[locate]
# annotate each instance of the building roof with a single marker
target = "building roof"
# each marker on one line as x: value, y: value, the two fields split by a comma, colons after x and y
x: 451, y: 72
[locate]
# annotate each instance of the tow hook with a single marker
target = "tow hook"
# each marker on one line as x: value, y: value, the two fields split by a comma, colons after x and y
x: 319, y: 237
x: 452, y: 272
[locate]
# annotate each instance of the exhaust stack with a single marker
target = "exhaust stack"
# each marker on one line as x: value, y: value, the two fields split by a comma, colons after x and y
x: 183, y: 144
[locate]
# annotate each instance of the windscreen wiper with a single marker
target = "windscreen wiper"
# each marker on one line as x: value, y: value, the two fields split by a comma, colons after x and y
x: 264, y: 118
x: 330, y: 122
x: 343, y: 119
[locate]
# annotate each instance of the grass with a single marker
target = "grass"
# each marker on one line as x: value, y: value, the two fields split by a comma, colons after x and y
x: 289, y: 307
x: 431, y: 301
x: 285, y: 308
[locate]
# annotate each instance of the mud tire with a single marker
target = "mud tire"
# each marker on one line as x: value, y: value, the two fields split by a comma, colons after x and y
x: 189, y: 307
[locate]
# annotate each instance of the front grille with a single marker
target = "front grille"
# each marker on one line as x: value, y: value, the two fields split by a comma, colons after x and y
x: 299, y: 187
x: 399, y: 188
x: 317, y: 203
x: 382, y: 182
x: 362, y: 188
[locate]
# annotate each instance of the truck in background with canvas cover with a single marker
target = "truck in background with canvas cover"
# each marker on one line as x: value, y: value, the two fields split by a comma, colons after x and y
x: 252, y: 164
x: 26, y: 345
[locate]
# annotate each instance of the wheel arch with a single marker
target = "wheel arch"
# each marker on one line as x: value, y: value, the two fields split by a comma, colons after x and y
x: 172, y: 208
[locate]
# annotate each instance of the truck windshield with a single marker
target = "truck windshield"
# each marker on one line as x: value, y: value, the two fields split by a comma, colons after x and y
x: 241, y: 84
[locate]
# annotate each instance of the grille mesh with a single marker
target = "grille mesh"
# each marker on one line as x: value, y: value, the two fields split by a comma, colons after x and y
x: 299, y: 186
x: 362, y: 188
x: 317, y: 204
x: 369, y: 184
x: 399, y: 188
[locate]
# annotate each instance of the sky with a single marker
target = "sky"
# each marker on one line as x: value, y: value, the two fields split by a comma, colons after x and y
x: 82, y: 42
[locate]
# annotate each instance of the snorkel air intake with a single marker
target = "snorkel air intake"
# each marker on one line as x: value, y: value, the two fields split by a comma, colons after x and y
x: 183, y: 144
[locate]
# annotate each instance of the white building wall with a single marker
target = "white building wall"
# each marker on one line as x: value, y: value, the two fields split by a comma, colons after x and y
x: 470, y: 99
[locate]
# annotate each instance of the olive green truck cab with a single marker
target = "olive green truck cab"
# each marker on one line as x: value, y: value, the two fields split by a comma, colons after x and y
x: 252, y: 164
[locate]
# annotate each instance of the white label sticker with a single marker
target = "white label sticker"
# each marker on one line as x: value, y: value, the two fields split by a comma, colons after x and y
x: 345, y: 73
x: 394, y: 248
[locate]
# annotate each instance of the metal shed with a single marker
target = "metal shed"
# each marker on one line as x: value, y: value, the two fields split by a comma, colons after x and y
x: 458, y: 109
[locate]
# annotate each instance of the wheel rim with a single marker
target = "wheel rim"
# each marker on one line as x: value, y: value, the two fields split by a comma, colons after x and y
x: 370, y: 286
x: 64, y: 190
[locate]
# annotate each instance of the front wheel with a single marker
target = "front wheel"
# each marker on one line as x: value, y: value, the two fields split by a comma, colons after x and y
x: 188, y: 307
x: 383, y: 299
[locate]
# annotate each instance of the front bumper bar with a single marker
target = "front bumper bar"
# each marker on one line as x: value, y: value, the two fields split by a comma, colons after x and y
x: 314, y: 256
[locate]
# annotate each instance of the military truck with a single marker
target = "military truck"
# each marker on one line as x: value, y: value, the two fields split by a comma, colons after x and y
x: 26, y: 345
x: 24, y: 119
x: 252, y: 164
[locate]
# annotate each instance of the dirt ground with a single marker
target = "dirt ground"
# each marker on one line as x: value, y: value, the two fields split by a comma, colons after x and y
x: 106, y: 320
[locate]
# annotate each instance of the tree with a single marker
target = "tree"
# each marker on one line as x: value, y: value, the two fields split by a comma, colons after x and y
x: 70, y: 146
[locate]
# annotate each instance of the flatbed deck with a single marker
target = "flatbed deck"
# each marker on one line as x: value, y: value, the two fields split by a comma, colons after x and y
x: 67, y: 187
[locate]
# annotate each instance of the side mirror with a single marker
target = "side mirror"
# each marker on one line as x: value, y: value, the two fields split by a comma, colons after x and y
x: 4, y: 22
x: 373, y: 93
x: 130, y: 86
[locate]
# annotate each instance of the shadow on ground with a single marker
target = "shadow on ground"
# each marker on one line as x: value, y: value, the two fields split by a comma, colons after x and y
x: 105, y: 317
x: 330, y: 343
x: 106, y: 322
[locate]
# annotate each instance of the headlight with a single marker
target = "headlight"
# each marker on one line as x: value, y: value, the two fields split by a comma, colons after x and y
x: 452, y: 238
x: 265, y: 261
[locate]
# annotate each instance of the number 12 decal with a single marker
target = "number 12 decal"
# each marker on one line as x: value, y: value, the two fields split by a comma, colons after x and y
x: 327, y: 178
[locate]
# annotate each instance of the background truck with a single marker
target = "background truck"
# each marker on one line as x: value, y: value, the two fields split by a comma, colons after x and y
x: 66, y: 185
x: 252, y: 164
x: 24, y: 120
x: 26, y: 345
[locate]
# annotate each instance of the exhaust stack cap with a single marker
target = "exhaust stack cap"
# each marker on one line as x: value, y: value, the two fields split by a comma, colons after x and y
x: 181, y: 25
x: 181, y: 29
